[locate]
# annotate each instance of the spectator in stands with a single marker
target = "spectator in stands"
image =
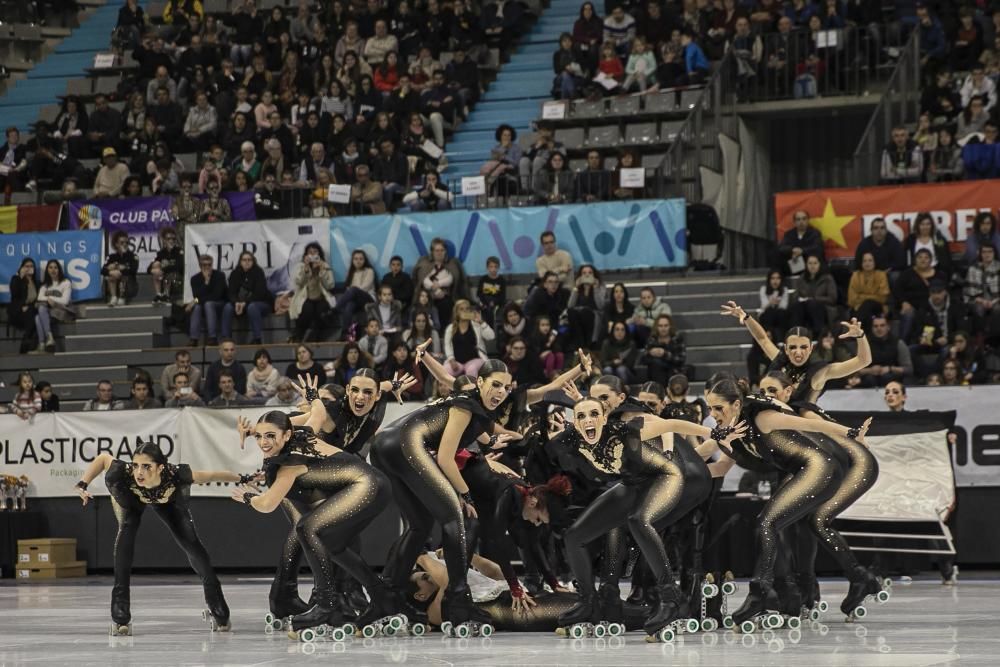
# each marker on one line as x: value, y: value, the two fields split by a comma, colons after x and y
x: 568, y: 69
x: 387, y: 311
x: 500, y: 21
x: 438, y: 105
x: 584, y: 308
x: 285, y: 395
x: 351, y: 41
x: 465, y: 340
x: 391, y: 170
x: 380, y: 45
x: 421, y: 152
x: 268, y: 202
x: 912, y: 288
x: 71, y: 125
x: 142, y: 397
x: 545, y: 342
x: 937, y: 319
x: 430, y: 195
x: 945, y: 161
x: 214, y: 207
x: 977, y: 84
x: 111, y: 176
x: 981, y: 159
x: 387, y: 74
x: 883, y: 246
x: 53, y: 302
x: 132, y: 22
x: 491, y: 292
x: 399, y: 281
x: 553, y: 184
x: 626, y: 160
x: 973, y: 120
x: 933, y: 43
x: 619, y: 307
x: 774, y: 305
x: 359, y: 290
x: 120, y: 270
x: 503, y: 166
x: 665, y: 352
x: 373, y: 343
x: 249, y: 296
x: 306, y: 365
x: 618, y: 353
x: 548, y: 300
x: 748, y: 51
x: 797, y: 243
x: 610, y: 71
x: 443, y: 277
x: 104, y: 126
x: 50, y: 401
x: 184, y: 394
x: 27, y: 402
x: 968, y: 43
x: 696, y: 66
x: 168, y: 117
x: 313, y: 294
x: 208, y: 290
x: 247, y: 162
x: 184, y: 208
x: 512, y: 323
x: 421, y: 330
x: 902, y: 160
x: 619, y: 30
x: 868, y: 291
x: 593, y: 183
x: 350, y: 361
x: 182, y: 364
x: 537, y: 156
x: 226, y: 363
x: 23, y: 304
x: 924, y: 234
x: 982, y: 292
x: 890, y: 357
x: 816, y: 296
x: 970, y: 360
x: 984, y: 232
x: 400, y: 362
x: 462, y: 75
x: 104, y: 400
x: 523, y: 363
x: 13, y: 164
x: 367, y: 193
x: 588, y: 35
x: 263, y: 379
x: 228, y: 396
x: 201, y: 124
x: 646, y: 313
x: 48, y: 159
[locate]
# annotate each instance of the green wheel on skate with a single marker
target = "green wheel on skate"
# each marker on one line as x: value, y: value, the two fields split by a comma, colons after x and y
x: 397, y: 622
x: 882, y: 596
x: 814, y: 614
x: 666, y: 635
x: 709, y: 625
x: 269, y: 618
x: 446, y: 628
x: 369, y: 631
x: 462, y: 631
x: 859, y: 612
x: 308, y: 636
x: 577, y: 632
x: 692, y: 625
x: 729, y: 587
x: 794, y: 623
x: 350, y: 628
x: 728, y: 622
x: 823, y: 606
x: 616, y: 629
x: 600, y: 631
x: 485, y: 630
x: 389, y: 631
x: 418, y: 630
x: 709, y: 590
x: 747, y: 627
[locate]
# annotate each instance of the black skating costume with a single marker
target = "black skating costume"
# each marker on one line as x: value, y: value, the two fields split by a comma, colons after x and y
x: 170, y: 501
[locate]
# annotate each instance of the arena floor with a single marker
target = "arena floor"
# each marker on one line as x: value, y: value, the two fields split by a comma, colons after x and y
x: 924, y: 623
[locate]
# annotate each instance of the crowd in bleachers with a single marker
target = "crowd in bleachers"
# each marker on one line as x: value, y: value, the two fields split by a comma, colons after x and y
x: 956, y: 135
x: 931, y: 318
x: 310, y: 98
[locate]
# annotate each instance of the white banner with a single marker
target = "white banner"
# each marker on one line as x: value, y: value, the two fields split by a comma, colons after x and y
x: 277, y: 245
x: 54, y: 449
x: 976, y: 435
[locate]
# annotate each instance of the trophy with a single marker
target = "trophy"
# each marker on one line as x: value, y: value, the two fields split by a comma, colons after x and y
x: 21, y: 494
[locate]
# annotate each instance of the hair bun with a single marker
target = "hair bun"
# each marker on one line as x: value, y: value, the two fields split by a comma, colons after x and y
x: 559, y: 485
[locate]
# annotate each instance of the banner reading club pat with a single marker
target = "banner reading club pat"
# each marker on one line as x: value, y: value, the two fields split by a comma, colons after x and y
x: 844, y: 215
x: 611, y: 235
x: 80, y: 253
x: 278, y: 247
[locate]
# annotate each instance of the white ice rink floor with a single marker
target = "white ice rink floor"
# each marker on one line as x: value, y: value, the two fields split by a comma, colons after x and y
x: 924, y: 623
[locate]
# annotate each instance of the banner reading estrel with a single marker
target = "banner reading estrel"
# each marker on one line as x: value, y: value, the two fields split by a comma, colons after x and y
x: 844, y: 215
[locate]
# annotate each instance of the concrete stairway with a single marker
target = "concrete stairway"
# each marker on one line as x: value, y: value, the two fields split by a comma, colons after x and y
x: 516, y: 95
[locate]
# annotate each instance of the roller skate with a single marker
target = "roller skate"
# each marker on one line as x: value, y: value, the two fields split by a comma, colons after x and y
x: 759, y: 608
x: 706, y: 590
x: 217, y: 613
x: 121, y: 616
x: 864, y: 586
x: 284, y: 603
x: 463, y: 617
x: 389, y: 614
x: 580, y: 620
x: 668, y: 621
x: 610, y: 612
x: 727, y: 590
x: 790, y: 603
x: 314, y: 623
x: 812, y: 603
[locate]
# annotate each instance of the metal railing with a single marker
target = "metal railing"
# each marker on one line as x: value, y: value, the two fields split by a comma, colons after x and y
x: 900, y: 105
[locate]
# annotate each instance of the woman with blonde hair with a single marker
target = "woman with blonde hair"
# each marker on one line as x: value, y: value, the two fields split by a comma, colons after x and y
x: 465, y: 340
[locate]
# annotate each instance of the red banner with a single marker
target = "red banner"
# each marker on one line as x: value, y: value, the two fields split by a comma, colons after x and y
x: 844, y: 215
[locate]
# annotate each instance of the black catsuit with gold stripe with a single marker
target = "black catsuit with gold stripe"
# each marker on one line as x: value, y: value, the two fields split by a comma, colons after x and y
x: 170, y: 501
x: 336, y: 498
x: 405, y: 452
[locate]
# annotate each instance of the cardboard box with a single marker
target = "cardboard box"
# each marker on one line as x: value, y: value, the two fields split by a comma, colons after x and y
x: 45, y: 551
x: 45, y: 571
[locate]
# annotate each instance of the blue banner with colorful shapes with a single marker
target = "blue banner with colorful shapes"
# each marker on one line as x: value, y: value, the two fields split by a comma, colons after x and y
x: 609, y: 235
x: 80, y: 253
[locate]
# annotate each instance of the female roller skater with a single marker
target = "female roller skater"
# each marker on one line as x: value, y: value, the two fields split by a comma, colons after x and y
x: 150, y: 480
x: 651, y: 492
x: 418, y: 454
x: 336, y: 494
x: 860, y: 473
x: 782, y: 439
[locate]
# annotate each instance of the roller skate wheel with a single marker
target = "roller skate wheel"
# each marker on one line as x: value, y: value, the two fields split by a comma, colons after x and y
x: 709, y: 625
x: 389, y: 631
x: 823, y: 606
x: 692, y: 625
x: 728, y: 622
x: 276, y: 624
x: 350, y: 628
x: 446, y: 627
x: 747, y: 627
x: 486, y: 630
x: 616, y: 629
x: 887, y: 583
x: 369, y: 631
x: 308, y: 635
x: 338, y: 635
x: 600, y: 630
x: 794, y: 623
x: 320, y: 630
x: 578, y: 632
x: 882, y: 597
x: 397, y: 622
x: 462, y: 631
x: 859, y: 612
x: 814, y: 614
x: 418, y: 629
x: 709, y: 590
x: 268, y: 618
x: 776, y: 621
x: 729, y: 588
x: 666, y: 635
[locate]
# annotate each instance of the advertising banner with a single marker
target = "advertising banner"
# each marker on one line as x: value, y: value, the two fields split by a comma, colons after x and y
x: 974, y: 440
x: 844, y: 215
x: 80, y: 253
x: 142, y: 218
x: 277, y: 245
x: 53, y: 449
x: 612, y: 235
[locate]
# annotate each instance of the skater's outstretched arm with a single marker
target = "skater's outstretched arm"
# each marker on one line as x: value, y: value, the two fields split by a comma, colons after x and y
x: 98, y: 466
x: 437, y: 370
x: 771, y: 420
x: 753, y: 326
x: 207, y: 476
x: 583, y: 368
x: 269, y: 501
x: 850, y: 366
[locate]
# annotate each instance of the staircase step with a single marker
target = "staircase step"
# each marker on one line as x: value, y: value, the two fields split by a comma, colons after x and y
x: 90, y: 374
x: 709, y: 319
x: 717, y: 353
x: 730, y: 336
x: 104, y: 342
x: 112, y: 326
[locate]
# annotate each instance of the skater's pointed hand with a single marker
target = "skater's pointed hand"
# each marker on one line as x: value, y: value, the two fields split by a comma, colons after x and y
x: 739, y: 430
x: 732, y: 309
x: 557, y: 423
x: 571, y: 390
x: 585, y: 360
x: 402, y: 383
x: 238, y: 494
x: 864, y: 430
x: 245, y: 428
x: 420, y: 350
x: 84, y: 495
x: 852, y: 329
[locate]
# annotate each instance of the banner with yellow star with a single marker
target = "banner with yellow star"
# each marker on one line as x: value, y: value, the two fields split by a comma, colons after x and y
x: 843, y: 216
